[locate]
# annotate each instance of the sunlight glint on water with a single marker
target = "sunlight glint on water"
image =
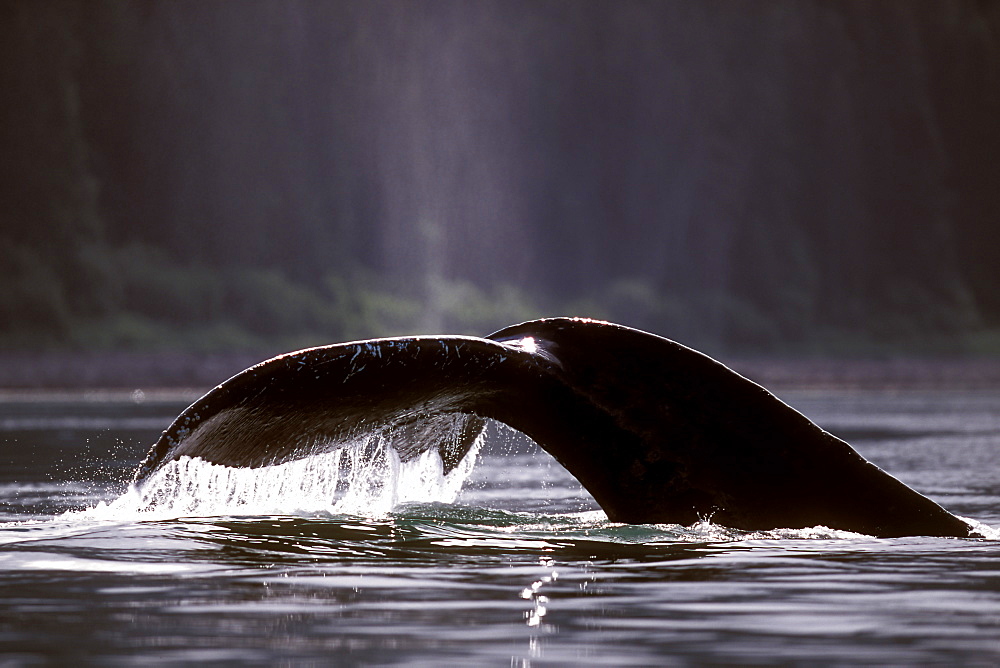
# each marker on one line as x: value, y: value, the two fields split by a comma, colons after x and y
x: 365, y: 477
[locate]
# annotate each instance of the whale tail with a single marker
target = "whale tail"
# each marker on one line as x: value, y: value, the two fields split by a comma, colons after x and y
x: 655, y: 431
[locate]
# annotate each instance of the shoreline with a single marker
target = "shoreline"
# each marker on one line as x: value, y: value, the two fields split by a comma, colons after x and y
x: 121, y: 371
x: 900, y: 374
x: 181, y: 375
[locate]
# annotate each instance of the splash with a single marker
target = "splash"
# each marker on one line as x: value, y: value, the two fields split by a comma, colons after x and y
x: 987, y: 532
x: 366, y: 477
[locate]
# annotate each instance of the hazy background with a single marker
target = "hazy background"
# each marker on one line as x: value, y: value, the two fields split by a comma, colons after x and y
x: 745, y: 177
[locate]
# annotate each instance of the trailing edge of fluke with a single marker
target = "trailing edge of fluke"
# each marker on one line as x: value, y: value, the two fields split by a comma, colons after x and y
x: 656, y: 431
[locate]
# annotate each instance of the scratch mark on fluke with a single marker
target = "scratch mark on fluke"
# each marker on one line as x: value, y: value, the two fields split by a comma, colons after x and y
x: 655, y: 431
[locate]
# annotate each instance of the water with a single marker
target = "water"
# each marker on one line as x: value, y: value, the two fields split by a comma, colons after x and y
x: 514, y: 566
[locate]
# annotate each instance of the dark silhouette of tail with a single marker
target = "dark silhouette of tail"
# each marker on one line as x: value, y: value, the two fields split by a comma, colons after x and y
x: 657, y: 432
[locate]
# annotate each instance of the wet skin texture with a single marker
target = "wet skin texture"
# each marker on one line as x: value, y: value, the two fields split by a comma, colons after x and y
x: 655, y: 431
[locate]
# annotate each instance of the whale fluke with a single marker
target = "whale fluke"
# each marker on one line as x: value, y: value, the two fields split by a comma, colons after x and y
x: 655, y: 431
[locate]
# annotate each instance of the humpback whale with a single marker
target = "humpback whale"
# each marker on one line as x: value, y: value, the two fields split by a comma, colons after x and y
x: 657, y: 432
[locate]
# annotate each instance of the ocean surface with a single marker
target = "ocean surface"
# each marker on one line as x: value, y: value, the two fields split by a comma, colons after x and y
x: 357, y: 559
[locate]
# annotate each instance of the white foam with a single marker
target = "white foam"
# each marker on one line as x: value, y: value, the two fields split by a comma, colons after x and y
x: 987, y: 532
x: 365, y: 477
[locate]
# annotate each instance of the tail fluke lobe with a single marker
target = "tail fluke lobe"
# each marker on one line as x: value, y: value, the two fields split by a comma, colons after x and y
x: 418, y: 391
x: 704, y: 441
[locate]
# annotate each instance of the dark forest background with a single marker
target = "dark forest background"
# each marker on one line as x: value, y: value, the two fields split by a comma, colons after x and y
x: 772, y: 177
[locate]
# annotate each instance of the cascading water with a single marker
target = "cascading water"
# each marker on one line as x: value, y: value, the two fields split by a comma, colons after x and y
x: 362, y: 477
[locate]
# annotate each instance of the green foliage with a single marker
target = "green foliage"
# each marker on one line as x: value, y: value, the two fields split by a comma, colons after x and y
x: 148, y: 283
x: 151, y: 301
x: 33, y: 305
x: 269, y: 304
x: 710, y: 321
x: 120, y: 331
x: 173, y: 177
x: 460, y: 306
x: 367, y: 308
x: 983, y: 342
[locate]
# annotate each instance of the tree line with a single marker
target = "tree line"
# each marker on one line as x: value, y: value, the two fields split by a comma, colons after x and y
x: 802, y: 177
